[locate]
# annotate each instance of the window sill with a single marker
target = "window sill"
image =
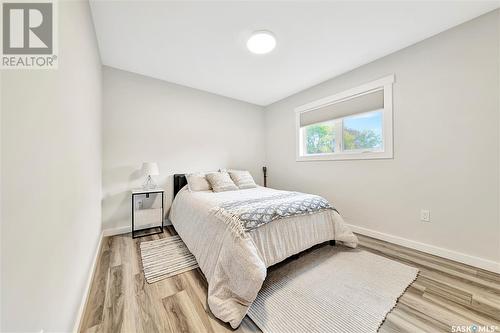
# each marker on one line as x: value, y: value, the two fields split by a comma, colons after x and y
x: 346, y: 156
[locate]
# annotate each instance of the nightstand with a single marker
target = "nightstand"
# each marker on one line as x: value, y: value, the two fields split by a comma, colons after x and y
x: 147, y: 212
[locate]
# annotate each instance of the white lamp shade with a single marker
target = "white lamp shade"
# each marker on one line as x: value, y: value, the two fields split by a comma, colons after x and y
x: 150, y: 169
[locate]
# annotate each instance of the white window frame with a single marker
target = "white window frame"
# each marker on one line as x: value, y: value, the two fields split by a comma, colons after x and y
x: 384, y: 83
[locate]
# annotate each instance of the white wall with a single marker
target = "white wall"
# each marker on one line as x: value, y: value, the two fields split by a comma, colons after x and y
x: 180, y: 128
x: 51, y: 180
x: 446, y: 146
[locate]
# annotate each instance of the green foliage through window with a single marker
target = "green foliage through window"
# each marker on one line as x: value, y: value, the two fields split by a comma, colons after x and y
x: 366, y: 139
x: 363, y: 131
x: 320, y: 138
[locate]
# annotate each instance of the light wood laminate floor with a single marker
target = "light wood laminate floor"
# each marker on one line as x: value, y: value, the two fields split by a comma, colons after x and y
x: 445, y: 293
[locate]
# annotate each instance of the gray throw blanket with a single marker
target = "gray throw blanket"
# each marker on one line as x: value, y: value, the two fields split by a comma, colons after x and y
x: 246, y: 215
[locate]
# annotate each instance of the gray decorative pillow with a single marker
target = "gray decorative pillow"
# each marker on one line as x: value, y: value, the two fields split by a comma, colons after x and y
x: 242, y: 179
x: 221, y: 181
x: 197, y: 182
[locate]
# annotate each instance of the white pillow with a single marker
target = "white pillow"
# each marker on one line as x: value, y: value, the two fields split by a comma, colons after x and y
x: 197, y: 182
x: 221, y: 181
x: 242, y: 178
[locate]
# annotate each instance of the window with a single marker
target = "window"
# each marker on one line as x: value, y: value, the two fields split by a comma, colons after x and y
x: 355, y: 124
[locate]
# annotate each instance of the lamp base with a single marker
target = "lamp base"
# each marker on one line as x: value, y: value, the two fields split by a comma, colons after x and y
x: 149, y: 184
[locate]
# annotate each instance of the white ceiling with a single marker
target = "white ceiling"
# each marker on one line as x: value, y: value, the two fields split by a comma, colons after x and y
x: 202, y: 44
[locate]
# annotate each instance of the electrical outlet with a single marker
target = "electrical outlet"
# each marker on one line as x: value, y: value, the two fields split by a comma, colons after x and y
x: 425, y: 215
x: 140, y: 204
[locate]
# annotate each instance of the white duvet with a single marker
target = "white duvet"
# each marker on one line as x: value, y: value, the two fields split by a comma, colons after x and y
x: 235, y: 265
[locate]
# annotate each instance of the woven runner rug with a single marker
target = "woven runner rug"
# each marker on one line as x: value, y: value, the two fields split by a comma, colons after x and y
x: 166, y: 257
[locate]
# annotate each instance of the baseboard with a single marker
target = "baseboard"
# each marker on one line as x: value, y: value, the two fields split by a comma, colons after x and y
x: 85, y: 297
x: 125, y: 229
x: 116, y: 231
x: 482, y: 263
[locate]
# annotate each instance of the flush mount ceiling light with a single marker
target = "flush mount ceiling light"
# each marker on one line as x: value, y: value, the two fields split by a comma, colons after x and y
x: 261, y: 42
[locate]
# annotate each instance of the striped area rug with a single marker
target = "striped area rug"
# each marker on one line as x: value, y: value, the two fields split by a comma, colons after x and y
x: 332, y: 289
x: 166, y: 257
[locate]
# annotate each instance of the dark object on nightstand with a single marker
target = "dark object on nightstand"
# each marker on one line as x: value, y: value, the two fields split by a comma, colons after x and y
x: 154, y: 212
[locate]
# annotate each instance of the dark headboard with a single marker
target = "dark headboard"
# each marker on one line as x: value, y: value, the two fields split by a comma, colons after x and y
x: 179, y: 182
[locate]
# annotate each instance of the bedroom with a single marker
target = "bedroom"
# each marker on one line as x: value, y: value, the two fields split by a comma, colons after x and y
x: 377, y: 124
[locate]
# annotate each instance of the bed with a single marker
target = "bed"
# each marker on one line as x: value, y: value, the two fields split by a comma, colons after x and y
x: 235, y: 260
